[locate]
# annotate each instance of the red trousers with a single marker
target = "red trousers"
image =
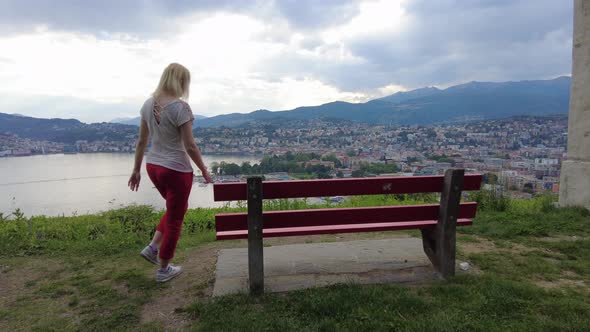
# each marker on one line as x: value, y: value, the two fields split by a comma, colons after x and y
x: 175, y: 187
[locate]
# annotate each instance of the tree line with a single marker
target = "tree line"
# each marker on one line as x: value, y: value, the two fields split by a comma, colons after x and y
x: 295, y: 163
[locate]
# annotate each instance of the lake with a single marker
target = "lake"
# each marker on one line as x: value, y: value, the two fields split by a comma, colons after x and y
x: 85, y: 183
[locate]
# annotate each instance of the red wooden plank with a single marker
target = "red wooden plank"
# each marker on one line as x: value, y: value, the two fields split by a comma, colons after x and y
x: 324, y: 217
x: 341, y: 187
x: 354, y: 228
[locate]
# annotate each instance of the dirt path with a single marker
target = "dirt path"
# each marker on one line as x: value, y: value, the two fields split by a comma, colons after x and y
x: 196, y: 281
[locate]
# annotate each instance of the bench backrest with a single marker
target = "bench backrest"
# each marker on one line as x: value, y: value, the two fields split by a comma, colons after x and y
x: 235, y: 191
x: 228, y: 225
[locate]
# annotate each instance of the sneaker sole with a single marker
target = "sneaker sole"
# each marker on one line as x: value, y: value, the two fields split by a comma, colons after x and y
x: 170, y: 277
x: 147, y: 258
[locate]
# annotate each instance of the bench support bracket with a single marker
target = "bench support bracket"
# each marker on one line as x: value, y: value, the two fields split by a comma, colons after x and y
x: 439, y: 242
x: 255, y: 245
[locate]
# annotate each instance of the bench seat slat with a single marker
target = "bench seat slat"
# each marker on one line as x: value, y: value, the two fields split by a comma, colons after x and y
x: 335, y: 229
x: 342, y: 187
x: 340, y: 216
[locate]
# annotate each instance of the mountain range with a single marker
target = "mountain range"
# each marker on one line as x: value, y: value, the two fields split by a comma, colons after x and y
x: 465, y: 102
x: 430, y: 105
x: 66, y: 131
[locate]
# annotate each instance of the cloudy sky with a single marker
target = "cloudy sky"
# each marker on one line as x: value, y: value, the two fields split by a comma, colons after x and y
x: 98, y: 60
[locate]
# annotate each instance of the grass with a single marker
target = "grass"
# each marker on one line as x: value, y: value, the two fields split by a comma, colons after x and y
x: 506, y: 296
x: 82, y: 273
x: 466, y: 303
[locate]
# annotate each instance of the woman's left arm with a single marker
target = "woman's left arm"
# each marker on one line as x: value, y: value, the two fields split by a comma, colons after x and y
x: 142, y: 142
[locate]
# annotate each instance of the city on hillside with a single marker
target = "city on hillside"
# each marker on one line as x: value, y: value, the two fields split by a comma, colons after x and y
x: 521, y: 155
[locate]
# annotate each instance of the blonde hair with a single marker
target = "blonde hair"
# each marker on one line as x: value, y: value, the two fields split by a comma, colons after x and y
x: 175, y: 81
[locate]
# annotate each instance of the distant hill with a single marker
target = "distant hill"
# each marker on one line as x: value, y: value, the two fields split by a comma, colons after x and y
x: 469, y: 101
x: 135, y: 121
x: 399, y: 97
x: 464, y: 102
x: 63, y: 130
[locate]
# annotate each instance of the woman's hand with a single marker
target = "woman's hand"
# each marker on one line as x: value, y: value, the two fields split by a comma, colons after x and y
x: 144, y: 134
x: 207, y: 176
x: 134, y: 181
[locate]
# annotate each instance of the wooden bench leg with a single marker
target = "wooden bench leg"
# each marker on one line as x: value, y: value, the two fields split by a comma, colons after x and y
x: 439, y: 243
x: 255, y: 246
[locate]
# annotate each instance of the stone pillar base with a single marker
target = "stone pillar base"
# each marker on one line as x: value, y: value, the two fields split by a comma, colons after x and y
x: 575, y: 184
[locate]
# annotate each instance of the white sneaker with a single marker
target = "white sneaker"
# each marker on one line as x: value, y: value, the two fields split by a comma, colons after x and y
x: 170, y: 273
x: 150, y: 255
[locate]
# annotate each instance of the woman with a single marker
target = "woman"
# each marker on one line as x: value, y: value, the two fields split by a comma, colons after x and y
x: 167, y: 119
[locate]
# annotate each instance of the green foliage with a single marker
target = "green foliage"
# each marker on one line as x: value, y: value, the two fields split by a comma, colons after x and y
x: 289, y: 162
x: 374, y: 168
x: 332, y: 158
x: 537, y: 217
x: 389, y: 200
x: 230, y: 168
x: 357, y: 173
x: 490, y: 178
x: 110, y: 232
x: 490, y: 200
x: 131, y: 227
x: 441, y: 158
x: 18, y: 214
x: 379, y: 168
x: 287, y: 204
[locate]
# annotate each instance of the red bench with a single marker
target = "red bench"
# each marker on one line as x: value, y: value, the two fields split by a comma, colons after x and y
x: 437, y: 222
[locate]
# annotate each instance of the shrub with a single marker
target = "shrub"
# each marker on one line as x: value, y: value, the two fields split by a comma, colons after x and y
x: 109, y: 232
x: 490, y: 200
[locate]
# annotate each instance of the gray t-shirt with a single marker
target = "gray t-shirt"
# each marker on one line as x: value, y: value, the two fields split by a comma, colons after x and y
x: 164, y: 123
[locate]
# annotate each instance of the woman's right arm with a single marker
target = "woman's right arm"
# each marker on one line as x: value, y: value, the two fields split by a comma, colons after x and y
x: 186, y: 132
x: 144, y: 135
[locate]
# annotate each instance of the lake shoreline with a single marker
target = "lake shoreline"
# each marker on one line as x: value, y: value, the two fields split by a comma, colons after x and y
x: 68, y: 184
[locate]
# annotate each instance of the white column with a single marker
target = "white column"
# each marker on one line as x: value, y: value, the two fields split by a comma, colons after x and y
x: 575, y: 171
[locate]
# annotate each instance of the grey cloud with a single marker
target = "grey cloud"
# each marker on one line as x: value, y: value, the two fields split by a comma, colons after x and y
x: 486, y: 40
x: 146, y: 18
x: 450, y: 41
x: 311, y: 42
x: 445, y: 41
x: 143, y: 18
x: 136, y: 17
x: 85, y: 16
x: 313, y: 14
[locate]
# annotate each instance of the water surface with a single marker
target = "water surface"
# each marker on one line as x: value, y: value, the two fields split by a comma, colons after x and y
x: 85, y: 183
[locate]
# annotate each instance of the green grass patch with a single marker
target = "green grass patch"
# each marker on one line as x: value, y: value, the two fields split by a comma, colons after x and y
x: 103, y: 296
x: 464, y: 304
x: 101, y: 284
x: 523, y: 221
x: 516, y: 266
x: 576, y: 255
